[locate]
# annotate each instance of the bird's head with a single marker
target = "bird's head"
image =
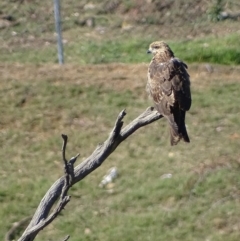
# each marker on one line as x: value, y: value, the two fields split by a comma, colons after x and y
x: 159, y: 47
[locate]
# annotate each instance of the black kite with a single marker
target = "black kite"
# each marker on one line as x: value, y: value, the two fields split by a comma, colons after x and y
x: 169, y: 87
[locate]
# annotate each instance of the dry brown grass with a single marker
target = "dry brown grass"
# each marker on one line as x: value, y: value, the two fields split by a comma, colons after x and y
x: 114, y: 76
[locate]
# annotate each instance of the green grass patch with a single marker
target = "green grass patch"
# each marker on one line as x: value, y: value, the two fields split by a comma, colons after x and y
x: 223, y: 50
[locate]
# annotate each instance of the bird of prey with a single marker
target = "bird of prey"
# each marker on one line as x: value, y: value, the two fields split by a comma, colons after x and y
x: 169, y: 86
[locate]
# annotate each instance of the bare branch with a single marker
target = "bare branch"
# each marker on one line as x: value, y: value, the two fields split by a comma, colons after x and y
x: 102, y: 151
x: 66, y: 238
x: 63, y: 200
x: 65, y: 139
x: 16, y: 226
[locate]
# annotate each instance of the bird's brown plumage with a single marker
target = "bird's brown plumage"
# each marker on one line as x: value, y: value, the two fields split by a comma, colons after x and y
x: 169, y: 87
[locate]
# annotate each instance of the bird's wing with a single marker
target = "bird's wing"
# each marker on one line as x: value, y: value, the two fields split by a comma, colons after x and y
x: 168, y: 84
x: 181, y: 84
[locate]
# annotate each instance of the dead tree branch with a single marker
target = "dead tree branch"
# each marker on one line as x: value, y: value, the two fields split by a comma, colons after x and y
x: 15, y: 227
x: 73, y: 175
x: 63, y: 199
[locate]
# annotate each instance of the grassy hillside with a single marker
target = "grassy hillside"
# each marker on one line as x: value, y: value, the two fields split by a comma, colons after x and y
x: 199, y: 202
x: 119, y: 31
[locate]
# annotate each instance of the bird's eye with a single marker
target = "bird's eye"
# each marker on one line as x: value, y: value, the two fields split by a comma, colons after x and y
x: 156, y: 47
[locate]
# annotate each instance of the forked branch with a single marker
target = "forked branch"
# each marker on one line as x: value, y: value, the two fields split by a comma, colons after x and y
x: 73, y: 175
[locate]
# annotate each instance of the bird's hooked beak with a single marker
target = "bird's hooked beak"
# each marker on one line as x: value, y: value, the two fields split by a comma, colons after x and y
x: 149, y: 51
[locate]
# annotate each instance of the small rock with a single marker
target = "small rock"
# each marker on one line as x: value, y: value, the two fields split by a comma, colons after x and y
x: 89, y: 6
x: 87, y: 231
x: 109, y: 177
x: 219, y: 128
x: 167, y: 175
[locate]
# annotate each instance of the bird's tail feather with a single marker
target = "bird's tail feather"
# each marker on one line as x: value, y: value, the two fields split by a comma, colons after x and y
x: 177, y: 128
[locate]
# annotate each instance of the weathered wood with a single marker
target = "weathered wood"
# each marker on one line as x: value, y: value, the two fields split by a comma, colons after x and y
x: 100, y: 154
